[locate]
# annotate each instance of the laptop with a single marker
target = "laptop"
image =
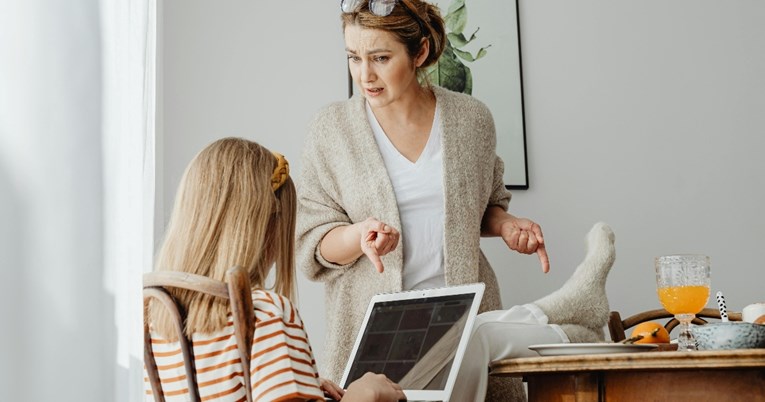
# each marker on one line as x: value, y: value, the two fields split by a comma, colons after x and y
x: 416, y: 338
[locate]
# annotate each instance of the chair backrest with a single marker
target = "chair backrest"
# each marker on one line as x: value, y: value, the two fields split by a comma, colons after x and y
x: 236, y: 289
x: 617, y: 326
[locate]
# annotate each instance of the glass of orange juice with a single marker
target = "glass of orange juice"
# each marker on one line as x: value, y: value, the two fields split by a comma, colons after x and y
x: 682, y: 282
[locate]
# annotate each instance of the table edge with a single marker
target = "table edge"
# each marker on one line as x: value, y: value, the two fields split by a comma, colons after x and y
x: 658, y: 360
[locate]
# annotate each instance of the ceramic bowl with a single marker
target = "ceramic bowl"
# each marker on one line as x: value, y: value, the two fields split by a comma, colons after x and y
x: 729, y: 335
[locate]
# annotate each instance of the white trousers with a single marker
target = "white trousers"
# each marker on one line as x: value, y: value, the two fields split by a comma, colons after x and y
x: 498, y: 335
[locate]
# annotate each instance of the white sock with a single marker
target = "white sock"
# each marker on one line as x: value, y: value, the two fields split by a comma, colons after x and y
x: 581, y: 334
x: 582, y: 299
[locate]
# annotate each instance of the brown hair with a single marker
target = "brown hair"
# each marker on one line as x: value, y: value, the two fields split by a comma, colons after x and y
x: 226, y: 213
x: 409, y: 22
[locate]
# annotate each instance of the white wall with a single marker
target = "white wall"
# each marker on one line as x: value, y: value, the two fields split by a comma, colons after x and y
x: 646, y: 115
x: 58, y: 337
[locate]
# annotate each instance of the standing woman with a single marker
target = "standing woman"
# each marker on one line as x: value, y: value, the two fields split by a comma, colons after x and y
x: 400, y: 181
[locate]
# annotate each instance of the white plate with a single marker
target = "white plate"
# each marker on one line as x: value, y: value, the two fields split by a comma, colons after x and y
x: 563, y: 349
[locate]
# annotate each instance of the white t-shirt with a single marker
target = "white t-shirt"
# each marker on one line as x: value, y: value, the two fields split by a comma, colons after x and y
x: 419, y: 190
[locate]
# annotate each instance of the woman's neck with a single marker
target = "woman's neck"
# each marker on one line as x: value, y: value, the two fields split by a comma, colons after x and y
x: 408, y: 122
x: 416, y: 108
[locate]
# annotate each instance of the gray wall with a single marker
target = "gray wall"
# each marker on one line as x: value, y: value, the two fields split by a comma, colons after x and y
x: 645, y: 115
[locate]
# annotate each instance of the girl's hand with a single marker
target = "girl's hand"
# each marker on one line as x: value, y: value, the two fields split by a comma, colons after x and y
x: 331, y: 389
x: 375, y: 387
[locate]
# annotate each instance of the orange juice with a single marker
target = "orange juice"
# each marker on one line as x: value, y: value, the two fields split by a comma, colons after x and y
x: 684, y: 299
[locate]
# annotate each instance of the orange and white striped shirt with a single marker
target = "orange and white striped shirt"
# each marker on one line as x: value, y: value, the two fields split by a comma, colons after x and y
x: 281, y: 361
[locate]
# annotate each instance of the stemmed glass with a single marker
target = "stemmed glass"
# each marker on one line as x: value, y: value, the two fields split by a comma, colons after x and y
x: 683, y: 287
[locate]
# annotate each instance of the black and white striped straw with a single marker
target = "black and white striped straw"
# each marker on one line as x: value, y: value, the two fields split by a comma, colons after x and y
x: 721, y: 305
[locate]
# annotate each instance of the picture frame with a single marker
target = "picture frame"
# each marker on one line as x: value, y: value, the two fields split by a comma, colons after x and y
x: 484, y: 53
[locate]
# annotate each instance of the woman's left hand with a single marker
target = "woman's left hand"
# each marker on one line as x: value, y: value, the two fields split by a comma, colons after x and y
x: 525, y: 236
x: 331, y: 389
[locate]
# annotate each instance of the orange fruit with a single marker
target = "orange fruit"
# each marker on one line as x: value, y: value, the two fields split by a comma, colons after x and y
x: 651, y: 332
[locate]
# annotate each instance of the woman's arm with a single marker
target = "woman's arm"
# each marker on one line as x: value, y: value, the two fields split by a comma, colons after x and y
x: 319, y: 211
x: 345, y: 244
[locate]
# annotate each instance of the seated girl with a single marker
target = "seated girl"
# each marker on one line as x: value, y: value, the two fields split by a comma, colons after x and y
x: 236, y: 205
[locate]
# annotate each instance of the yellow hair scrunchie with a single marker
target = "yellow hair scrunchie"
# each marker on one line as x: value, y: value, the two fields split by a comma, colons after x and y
x: 281, y: 171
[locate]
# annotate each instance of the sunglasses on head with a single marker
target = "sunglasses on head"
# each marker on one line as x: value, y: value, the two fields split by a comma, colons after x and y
x: 381, y: 8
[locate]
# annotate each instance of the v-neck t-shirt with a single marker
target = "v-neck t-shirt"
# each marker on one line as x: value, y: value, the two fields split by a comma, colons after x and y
x: 419, y: 191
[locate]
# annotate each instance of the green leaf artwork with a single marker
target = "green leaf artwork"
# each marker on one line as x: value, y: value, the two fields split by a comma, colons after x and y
x: 450, y: 71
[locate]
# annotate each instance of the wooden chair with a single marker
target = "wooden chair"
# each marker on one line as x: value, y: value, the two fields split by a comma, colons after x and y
x: 617, y: 326
x: 236, y: 289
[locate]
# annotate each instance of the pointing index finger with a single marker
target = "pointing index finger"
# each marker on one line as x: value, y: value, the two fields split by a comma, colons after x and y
x: 543, y: 258
x: 375, y: 258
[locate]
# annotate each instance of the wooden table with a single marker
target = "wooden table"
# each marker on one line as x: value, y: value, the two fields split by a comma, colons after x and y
x: 725, y: 375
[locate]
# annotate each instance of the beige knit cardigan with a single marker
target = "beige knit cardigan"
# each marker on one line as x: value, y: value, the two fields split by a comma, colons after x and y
x: 344, y: 180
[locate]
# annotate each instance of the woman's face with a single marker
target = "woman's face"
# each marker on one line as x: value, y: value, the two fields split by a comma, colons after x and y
x: 380, y: 65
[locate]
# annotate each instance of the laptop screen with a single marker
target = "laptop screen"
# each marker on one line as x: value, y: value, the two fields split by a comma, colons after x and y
x: 413, y: 342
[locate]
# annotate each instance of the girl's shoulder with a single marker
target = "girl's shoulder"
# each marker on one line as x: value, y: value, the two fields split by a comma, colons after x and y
x: 269, y: 305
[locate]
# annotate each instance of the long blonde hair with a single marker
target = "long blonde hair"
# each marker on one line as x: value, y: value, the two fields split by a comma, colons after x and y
x: 226, y: 213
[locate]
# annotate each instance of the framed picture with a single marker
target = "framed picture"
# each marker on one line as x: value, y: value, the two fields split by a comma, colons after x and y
x: 483, y: 58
